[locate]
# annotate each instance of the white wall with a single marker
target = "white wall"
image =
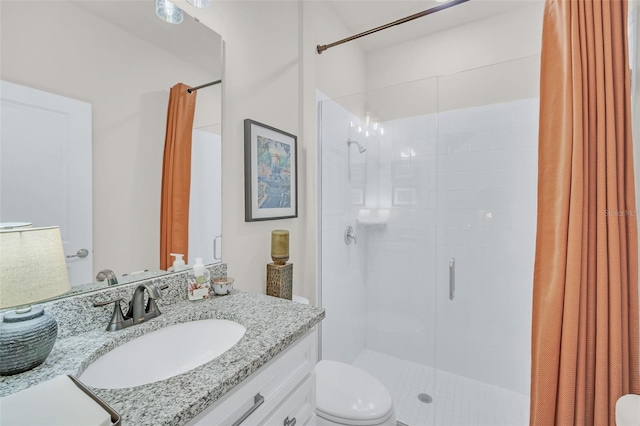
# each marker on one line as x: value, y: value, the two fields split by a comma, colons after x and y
x: 61, y: 48
x: 489, y: 41
x: 271, y: 73
x: 261, y: 81
x: 336, y: 73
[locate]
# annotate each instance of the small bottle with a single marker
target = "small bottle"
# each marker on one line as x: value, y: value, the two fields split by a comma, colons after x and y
x: 199, y: 281
x: 178, y: 263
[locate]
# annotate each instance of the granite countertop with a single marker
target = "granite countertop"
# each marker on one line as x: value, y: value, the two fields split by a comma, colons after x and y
x: 272, y: 324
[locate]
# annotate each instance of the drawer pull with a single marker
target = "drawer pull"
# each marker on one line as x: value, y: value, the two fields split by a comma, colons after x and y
x: 258, y: 400
x: 291, y: 422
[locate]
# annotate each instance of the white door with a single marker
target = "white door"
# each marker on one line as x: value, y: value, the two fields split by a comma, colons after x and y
x: 45, y: 168
x: 205, y: 210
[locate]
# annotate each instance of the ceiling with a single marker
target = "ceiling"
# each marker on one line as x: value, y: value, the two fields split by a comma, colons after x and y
x: 138, y: 17
x: 362, y: 15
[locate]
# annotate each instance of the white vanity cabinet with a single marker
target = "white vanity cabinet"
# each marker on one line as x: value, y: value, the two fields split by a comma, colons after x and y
x: 282, y: 392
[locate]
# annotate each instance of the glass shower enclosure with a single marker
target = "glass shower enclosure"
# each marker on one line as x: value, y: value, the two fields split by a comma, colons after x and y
x: 431, y: 291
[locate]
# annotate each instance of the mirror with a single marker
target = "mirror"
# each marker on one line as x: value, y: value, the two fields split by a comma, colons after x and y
x: 112, y: 63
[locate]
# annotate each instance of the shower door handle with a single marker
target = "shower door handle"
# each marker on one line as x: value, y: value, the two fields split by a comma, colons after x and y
x: 215, y: 247
x: 452, y: 278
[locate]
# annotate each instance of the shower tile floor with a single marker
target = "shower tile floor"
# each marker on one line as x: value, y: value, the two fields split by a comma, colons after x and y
x: 457, y: 400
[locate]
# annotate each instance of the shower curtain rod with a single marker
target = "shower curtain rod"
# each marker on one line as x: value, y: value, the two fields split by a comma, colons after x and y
x: 204, y: 85
x: 322, y: 48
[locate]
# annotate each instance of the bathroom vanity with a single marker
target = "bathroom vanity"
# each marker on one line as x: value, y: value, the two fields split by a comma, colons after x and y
x: 266, y: 378
x: 280, y: 393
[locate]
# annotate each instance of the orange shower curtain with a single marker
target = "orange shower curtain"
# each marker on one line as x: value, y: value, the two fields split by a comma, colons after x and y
x: 585, y: 299
x: 176, y: 175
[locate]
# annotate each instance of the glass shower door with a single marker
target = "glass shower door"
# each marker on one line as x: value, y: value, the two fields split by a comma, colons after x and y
x: 486, y: 211
x: 378, y: 176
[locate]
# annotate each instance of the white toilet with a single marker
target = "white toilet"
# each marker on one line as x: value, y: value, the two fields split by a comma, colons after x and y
x: 347, y: 395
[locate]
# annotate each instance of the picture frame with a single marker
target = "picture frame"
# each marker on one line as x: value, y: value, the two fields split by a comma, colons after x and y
x: 270, y: 173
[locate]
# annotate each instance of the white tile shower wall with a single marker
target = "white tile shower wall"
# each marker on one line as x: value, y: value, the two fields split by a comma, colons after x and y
x: 461, y: 184
x: 486, y: 220
x: 343, y: 331
x: 401, y: 254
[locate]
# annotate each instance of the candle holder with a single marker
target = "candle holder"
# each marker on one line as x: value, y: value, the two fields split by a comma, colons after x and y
x: 280, y: 273
x: 280, y: 246
x: 280, y: 280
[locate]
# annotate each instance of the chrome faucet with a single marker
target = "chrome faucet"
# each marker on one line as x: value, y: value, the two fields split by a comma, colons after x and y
x: 137, y: 312
x: 109, y: 275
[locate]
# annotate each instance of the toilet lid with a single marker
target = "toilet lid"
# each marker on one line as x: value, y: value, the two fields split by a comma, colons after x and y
x: 345, y: 392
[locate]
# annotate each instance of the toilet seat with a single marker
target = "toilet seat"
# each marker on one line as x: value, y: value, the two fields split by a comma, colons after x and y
x: 352, y: 422
x: 349, y: 395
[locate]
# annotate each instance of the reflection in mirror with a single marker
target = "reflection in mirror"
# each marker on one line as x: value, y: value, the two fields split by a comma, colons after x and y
x: 85, y: 87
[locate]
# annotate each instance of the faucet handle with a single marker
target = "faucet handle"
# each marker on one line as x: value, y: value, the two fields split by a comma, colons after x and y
x: 350, y: 235
x: 152, y: 307
x: 107, y: 302
x: 118, y: 321
x: 129, y: 313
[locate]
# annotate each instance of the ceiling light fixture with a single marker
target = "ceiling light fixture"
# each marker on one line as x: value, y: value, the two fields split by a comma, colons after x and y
x: 169, y: 12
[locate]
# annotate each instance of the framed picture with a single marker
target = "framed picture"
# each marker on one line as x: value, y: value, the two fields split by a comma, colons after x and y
x: 270, y: 173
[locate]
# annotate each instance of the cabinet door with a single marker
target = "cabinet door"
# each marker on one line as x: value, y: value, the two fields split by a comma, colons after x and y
x: 298, y: 409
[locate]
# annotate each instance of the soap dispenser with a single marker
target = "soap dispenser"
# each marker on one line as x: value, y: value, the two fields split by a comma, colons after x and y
x: 178, y: 263
x: 199, y: 281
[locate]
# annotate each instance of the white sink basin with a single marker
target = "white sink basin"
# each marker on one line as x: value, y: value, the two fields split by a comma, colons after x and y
x: 163, y: 353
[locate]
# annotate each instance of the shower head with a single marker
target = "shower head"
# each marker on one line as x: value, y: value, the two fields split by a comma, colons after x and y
x: 360, y: 147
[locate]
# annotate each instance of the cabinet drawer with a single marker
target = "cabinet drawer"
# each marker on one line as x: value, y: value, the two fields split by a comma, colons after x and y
x: 298, y: 409
x: 264, y: 390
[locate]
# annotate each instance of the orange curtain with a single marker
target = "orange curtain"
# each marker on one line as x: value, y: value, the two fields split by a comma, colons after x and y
x: 176, y: 175
x: 585, y: 298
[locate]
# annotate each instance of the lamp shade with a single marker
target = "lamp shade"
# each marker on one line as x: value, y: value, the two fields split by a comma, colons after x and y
x: 32, y: 266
